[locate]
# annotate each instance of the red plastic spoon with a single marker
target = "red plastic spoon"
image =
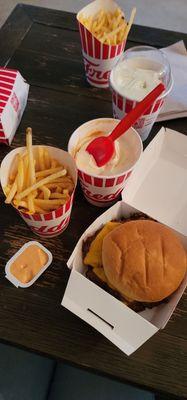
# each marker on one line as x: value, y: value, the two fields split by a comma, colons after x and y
x: 102, y: 148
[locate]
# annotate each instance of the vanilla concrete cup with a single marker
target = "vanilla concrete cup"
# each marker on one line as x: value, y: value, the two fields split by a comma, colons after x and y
x: 52, y: 223
x: 103, y: 190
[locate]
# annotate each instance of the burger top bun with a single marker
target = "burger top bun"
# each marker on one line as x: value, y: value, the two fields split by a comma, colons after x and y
x: 144, y: 260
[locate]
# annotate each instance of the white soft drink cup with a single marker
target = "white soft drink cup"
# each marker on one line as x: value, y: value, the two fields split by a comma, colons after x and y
x: 103, y: 190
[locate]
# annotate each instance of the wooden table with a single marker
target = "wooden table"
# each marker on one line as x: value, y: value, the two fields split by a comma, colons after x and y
x: 44, y: 46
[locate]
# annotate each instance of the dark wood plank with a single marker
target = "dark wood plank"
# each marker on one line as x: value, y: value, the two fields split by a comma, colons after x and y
x: 142, y: 35
x: 49, y: 17
x: 52, y: 58
x: 154, y: 36
x: 13, y: 32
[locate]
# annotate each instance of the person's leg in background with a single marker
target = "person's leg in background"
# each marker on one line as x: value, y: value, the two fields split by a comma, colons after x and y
x: 24, y: 375
x: 70, y: 383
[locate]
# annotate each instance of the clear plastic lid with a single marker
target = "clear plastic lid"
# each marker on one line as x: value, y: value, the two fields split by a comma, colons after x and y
x: 150, y: 60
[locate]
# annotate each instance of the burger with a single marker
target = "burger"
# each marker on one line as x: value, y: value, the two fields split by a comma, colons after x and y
x: 138, y: 260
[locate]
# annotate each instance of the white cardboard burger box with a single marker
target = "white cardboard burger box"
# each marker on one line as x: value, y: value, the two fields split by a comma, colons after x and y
x: 157, y: 187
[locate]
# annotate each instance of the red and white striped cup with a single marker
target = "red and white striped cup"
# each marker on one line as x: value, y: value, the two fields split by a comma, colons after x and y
x: 100, y: 190
x: 55, y: 222
x: 99, y: 58
x: 13, y: 99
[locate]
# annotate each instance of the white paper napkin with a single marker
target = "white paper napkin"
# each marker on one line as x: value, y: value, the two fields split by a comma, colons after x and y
x: 175, y: 105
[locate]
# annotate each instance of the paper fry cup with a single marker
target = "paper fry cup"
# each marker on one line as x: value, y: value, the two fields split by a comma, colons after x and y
x: 99, y: 58
x: 54, y: 222
x: 99, y: 190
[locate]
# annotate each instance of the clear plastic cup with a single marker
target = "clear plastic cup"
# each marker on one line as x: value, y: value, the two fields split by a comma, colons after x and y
x: 147, y: 58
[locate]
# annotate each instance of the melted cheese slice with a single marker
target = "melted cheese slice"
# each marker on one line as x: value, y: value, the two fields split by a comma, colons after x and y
x: 94, y: 255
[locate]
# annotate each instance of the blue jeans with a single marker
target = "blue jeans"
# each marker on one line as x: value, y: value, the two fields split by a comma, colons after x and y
x: 27, y: 376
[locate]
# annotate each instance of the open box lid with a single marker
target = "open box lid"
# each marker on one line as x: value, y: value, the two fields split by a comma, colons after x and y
x: 158, y: 185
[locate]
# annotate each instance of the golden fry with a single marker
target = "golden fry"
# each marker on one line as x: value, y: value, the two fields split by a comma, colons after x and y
x: 49, y: 204
x: 43, y: 181
x: 26, y: 178
x: 20, y: 176
x: 32, y: 177
x: 57, y: 195
x: 20, y: 203
x: 12, y: 192
x: 108, y: 23
x: 41, y: 158
x: 30, y: 201
x: 47, y: 159
x: 46, y: 172
x: 46, y: 192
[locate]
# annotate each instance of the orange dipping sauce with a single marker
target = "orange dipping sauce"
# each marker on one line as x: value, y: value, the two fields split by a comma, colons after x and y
x: 29, y: 263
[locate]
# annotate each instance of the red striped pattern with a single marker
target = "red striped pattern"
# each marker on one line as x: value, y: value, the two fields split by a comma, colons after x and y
x: 11, y: 73
x: 4, y: 85
x: 2, y: 105
x: 4, y: 141
x: 5, y: 92
x: 102, y: 191
x: 127, y: 105
x: 154, y: 107
x: 51, y: 215
x: 3, y: 97
x: 94, y: 48
x: 7, y: 79
x: 101, y: 182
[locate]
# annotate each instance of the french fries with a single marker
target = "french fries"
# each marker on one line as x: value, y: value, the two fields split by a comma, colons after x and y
x: 109, y: 28
x: 37, y: 182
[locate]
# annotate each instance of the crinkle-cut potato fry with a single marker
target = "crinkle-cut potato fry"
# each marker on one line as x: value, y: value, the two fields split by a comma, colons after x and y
x: 37, y: 184
x: 108, y: 27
